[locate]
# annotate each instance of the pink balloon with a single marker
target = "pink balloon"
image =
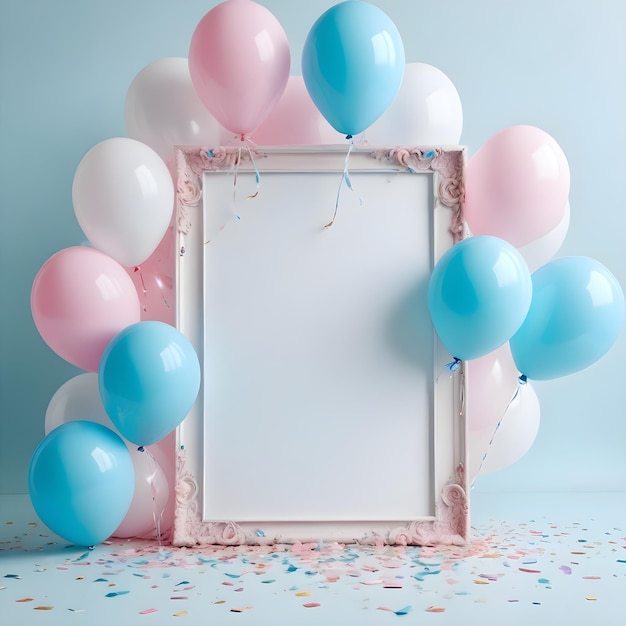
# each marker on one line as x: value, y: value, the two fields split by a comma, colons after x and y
x: 516, y: 185
x: 154, y: 282
x: 239, y: 63
x: 491, y: 383
x: 295, y: 121
x: 80, y: 299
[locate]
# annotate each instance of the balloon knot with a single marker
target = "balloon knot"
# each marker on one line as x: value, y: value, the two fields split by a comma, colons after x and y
x: 453, y: 366
x: 141, y: 449
x: 348, y: 137
x: 523, y: 379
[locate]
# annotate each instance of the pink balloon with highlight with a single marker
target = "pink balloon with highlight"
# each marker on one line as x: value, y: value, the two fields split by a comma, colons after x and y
x: 295, y: 121
x: 517, y: 185
x: 239, y: 63
x: 80, y: 299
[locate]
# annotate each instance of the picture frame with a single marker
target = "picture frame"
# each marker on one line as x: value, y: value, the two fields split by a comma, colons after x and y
x: 329, y: 410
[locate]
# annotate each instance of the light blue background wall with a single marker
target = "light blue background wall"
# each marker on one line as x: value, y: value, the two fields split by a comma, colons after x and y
x: 560, y: 65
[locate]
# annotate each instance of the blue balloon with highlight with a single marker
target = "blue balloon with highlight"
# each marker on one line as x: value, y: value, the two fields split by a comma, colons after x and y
x: 353, y: 64
x: 149, y: 378
x: 576, y: 314
x: 81, y: 482
x: 478, y: 295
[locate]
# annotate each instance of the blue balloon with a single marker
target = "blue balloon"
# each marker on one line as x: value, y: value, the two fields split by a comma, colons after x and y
x: 81, y: 482
x: 478, y: 295
x: 353, y: 64
x: 576, y: 314
x: 149, y: 378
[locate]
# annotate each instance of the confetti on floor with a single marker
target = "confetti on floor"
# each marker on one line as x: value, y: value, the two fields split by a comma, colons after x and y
x: 532, y: 567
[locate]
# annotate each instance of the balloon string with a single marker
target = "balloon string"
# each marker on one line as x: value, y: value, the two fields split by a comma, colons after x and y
x: 257, y: 176
x: 144, y: 289
x: 143, y: 284
x: 156, y: 514
x: 345, y: 179
x: 521, y: 381
x: 235, y: 182
x: 137, y: 269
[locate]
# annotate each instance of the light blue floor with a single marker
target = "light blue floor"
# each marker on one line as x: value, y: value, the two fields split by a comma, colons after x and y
x: 534, y: 559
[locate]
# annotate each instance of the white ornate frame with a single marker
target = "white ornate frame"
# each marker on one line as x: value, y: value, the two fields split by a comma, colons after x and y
x: 450, y: 523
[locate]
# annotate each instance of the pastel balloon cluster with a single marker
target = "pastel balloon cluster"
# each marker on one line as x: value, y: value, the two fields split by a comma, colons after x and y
x: 225, y: 94
x: 547, y: 319
x: 558, y: 321
x: 85, y: 302
x: 79, y: 399
x: 148, y: 379
x: 486, y: 307
x: 241, y: 85
x: 496, y: 299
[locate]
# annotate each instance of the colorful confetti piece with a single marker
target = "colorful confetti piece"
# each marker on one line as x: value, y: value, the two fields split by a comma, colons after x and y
x: 113, y: 594
x: 402, y: 611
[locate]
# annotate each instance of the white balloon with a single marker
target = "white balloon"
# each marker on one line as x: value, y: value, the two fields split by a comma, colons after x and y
x: 426, y: 111
x: 508, y: 443
x: 77, y: 399
x: 491, y: 383
x: 123, y: 198
x: 163, y: 110
x: 539, y: 252
x: 151, y: 496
